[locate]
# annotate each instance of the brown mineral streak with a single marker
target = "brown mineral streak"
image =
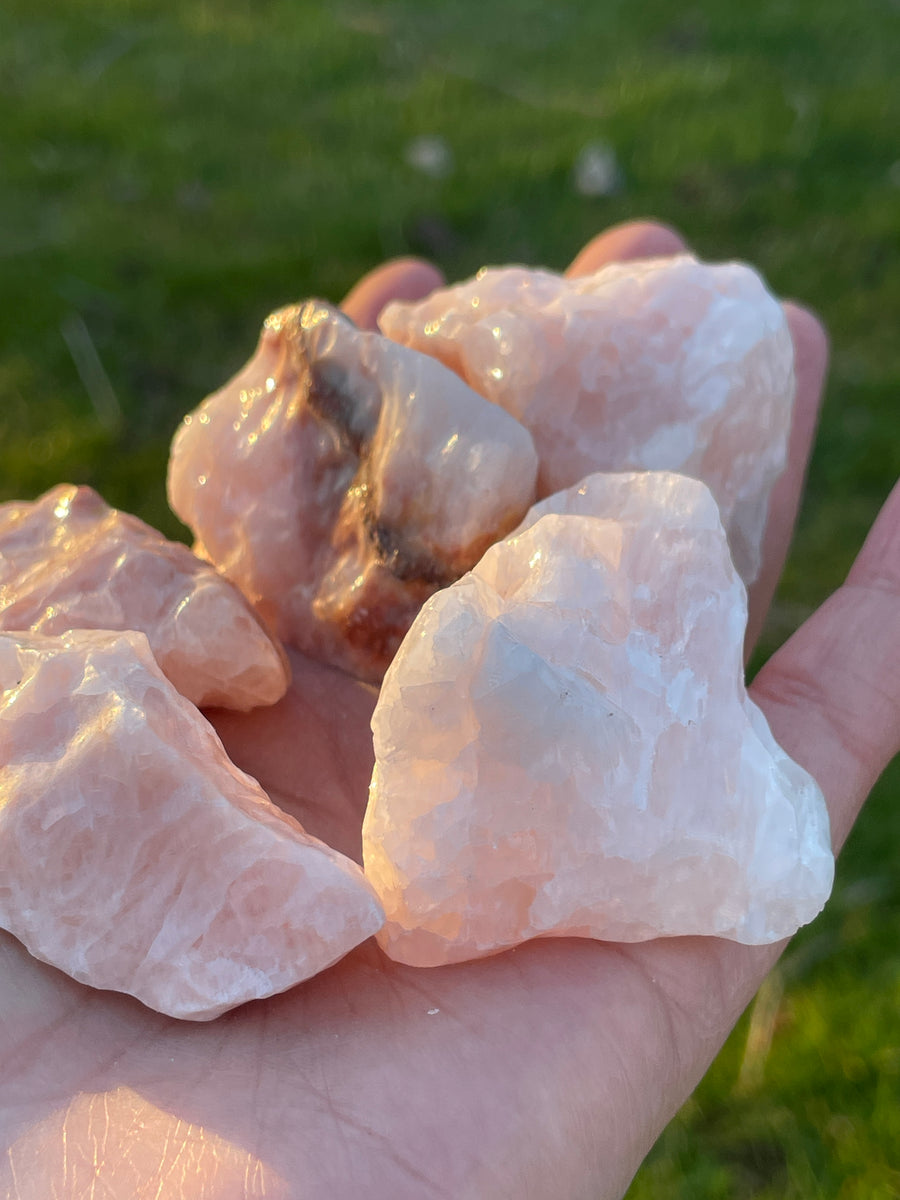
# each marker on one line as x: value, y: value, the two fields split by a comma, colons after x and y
x: 377, y: 630
x: 337, y: 407
x: 393, y: 551
x: 374, y: 629
x: 346, y: 479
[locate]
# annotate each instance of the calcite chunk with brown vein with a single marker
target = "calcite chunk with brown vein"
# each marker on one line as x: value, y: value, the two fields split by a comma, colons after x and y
x: 667, y: 364
x: 69, y: 561
x: 135, y: 856
x: 340, y: 479
x: 564, y: 744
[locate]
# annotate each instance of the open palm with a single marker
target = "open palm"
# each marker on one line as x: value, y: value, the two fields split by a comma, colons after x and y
x: 547, y: 1071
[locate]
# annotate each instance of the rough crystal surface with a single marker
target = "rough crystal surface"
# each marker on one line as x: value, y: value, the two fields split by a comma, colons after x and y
x: 340, y: 479
x: 135, y: 856
x: 564, y: 744
x: 663, y: 364
x: 69, y: 561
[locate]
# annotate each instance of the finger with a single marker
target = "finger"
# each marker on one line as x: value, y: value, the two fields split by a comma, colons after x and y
x: 621, y: 243
x: 810, y: 367
x: 832, y: 692
x: 401, y: 279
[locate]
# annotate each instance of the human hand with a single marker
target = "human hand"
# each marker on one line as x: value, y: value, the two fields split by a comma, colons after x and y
x: 546, y: 1071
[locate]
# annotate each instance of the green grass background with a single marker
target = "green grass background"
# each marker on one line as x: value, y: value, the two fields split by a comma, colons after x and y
x: 169, y: 173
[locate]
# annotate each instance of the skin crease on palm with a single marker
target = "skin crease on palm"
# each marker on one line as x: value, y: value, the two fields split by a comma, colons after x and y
x: 544, y: 1072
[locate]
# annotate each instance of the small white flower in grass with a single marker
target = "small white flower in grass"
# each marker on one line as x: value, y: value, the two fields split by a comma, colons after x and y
x: 431, y: 155
x: 597, y: 171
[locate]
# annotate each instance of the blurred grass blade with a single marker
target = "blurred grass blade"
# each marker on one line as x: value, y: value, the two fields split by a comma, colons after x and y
x: 91, y: 372
x: 763, y: 1019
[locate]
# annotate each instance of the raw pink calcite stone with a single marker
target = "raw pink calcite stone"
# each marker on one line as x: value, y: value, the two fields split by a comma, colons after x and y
x: 564, y: 745
x: 69, y: 561
x: 340, y: 479
x: 135, y: 856
x: 660, y: 364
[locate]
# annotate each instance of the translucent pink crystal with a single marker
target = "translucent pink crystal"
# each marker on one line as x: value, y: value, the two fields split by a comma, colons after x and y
x: 135, y: 856
x: 69, y: 561
x: 564, y: 745
x: 339, y: 480
x: 661, y: 364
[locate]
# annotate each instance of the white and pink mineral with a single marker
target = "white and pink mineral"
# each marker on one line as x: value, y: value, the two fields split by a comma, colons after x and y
x: 664, y: 364
x: 564, y: 745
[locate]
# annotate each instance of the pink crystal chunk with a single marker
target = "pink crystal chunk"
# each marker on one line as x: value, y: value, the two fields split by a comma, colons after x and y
x: 660, y: 364
x: 69, y: 561
x: 340, y: 479
x: 564, y: 745
x: 135, y: 856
